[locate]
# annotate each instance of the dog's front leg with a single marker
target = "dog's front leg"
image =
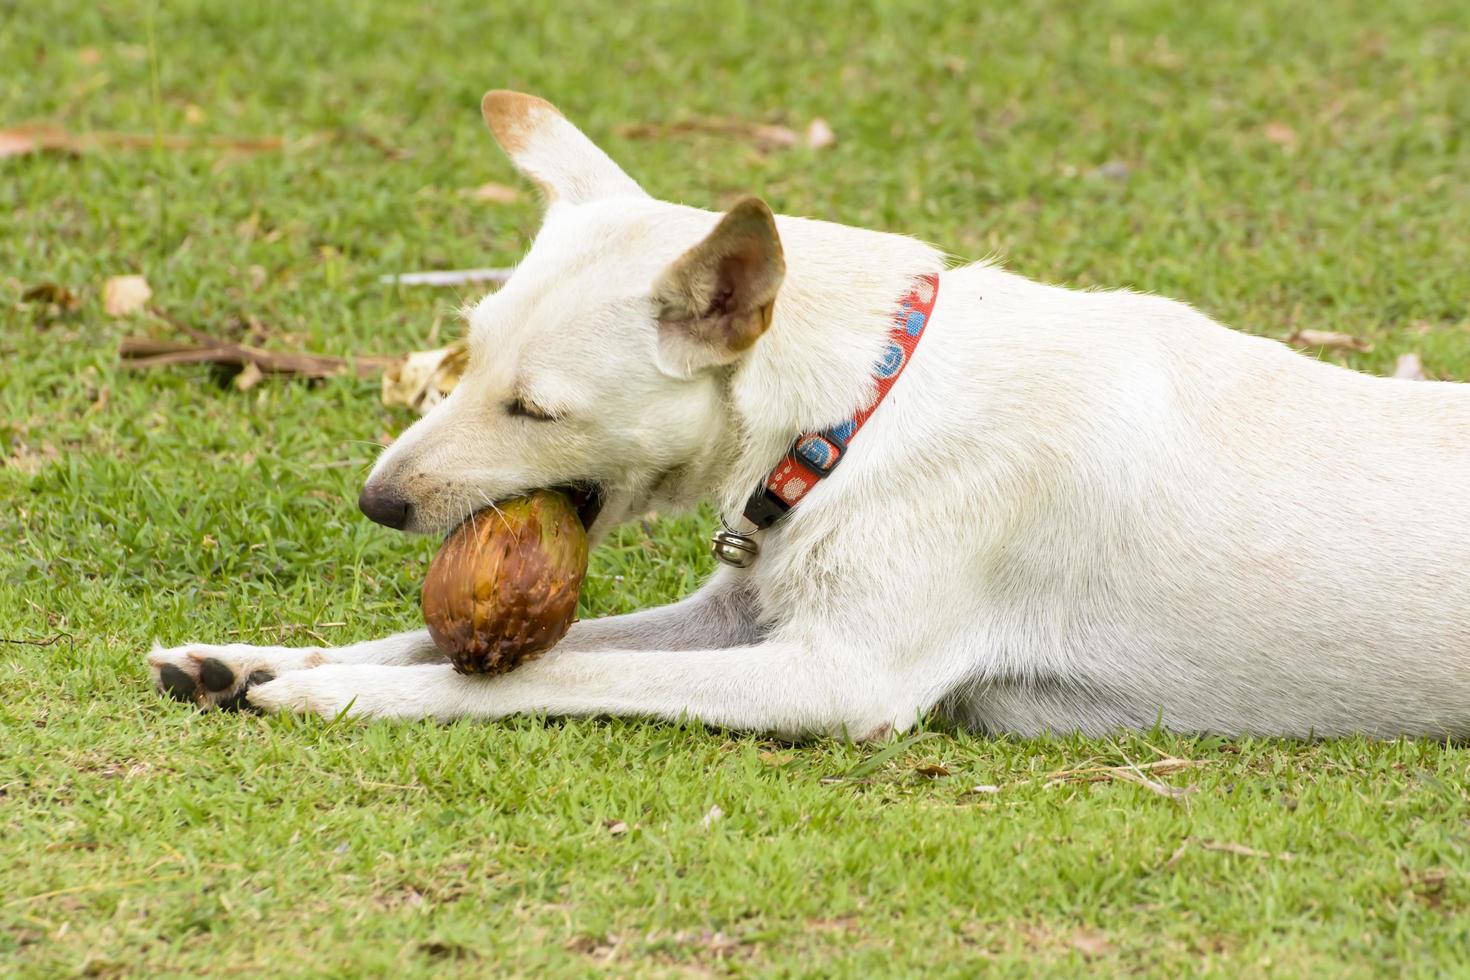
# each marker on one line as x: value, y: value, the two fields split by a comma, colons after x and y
x: 218, y: 675
x: 776, y: 686
x: 210, y: 675
x: 721, y: 614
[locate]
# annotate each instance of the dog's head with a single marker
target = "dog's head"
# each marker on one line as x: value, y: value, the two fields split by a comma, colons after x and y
x: 598, y: 365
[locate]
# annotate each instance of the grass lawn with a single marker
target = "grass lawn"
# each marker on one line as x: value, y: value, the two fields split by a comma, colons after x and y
x: 1279, y: 165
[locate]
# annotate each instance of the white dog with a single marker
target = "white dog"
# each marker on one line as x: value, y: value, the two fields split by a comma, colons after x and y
x: 1075, y: 511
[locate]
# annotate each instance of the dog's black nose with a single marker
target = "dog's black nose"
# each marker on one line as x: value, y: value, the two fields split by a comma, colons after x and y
x: 384, y: 506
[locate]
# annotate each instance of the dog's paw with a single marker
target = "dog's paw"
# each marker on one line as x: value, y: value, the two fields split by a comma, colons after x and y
x: 327, y: 691
x: 365, y: 691
x: 218, y: 676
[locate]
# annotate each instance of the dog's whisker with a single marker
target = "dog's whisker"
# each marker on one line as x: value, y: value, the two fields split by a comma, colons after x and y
x: 492, y: 505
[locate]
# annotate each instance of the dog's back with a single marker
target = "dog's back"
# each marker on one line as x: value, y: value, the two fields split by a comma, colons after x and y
x: 1174, y: 517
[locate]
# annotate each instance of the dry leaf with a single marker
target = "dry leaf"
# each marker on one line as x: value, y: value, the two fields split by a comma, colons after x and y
x: 52, y: 294
x: 616, y: 828
x: 1330, y: 339
x: 1428, y: 885
x: 193, y: 115
x: 100, y: 402
x: 1409, y: 367
x: 422, y: 379
x: 89, y: 56
x: 448, y: 277
x: 16, y: 454
x: 495, y: 193
x: 13, y: 144
x: 776, y: 759
x: 819, y: 135
x: 447, y: 951
x: 1280, y: 133
x: 931, y: 769
x: 1090, y: 943
x: 125, y: 295
x: 250, y: 376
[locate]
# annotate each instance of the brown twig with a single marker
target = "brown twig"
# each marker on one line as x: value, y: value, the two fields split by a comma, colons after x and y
x: 765, y: 136
x: 50, y: 641
x: 1097, y: 774
x: 47, y: 642
x: 284, y: 628
x: 1226, y: 847
x: 146, y: 352
x: 36, y: 137
x: 92, y: 887
x: 1223, y: 847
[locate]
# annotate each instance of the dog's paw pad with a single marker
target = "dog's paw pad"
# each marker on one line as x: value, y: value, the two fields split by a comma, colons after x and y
x: 216, y: 675
x: 176, y: 683
x: 238, y: 701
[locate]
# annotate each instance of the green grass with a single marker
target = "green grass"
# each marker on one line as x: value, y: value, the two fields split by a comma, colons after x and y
x: 1117, y: 145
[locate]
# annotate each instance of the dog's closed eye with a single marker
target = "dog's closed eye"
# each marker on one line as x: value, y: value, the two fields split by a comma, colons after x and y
x: 522, y: 409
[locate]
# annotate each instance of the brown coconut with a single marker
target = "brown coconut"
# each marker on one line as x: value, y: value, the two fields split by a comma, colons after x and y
x: 503, y: 588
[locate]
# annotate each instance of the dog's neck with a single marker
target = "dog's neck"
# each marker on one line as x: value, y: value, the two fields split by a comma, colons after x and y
x: 813, y: 368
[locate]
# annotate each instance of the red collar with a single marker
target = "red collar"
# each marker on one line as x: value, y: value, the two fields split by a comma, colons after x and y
x: 816, y: 454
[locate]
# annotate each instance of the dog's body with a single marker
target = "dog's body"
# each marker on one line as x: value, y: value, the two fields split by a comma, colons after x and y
x: 1076, y: 511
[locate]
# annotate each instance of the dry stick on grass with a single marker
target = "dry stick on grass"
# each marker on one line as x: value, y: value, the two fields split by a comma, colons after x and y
x: 51, y: 138
x: 1132, y: 773
x: 1097, y: 774
x: 1223, y: 847
x: 145, y: 352
x: 448, y: 277
x: 284, y: 628
x: 49, y: 641
x: 1227, y: 847
x: 290, y: 629
x: 1154, y: 786
x: 92, y: 887
x: 764, y: 135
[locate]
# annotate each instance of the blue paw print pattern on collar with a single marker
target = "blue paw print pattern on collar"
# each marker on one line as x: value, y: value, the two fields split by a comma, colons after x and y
x: 841, y: 433
x: 890, y: 362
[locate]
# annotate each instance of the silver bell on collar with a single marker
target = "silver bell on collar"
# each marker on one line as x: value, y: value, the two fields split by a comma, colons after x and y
x: 734, y: 548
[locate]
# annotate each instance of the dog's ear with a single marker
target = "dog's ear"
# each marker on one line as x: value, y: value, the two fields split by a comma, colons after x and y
x: 716, y: 299
x: 564, y: 163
